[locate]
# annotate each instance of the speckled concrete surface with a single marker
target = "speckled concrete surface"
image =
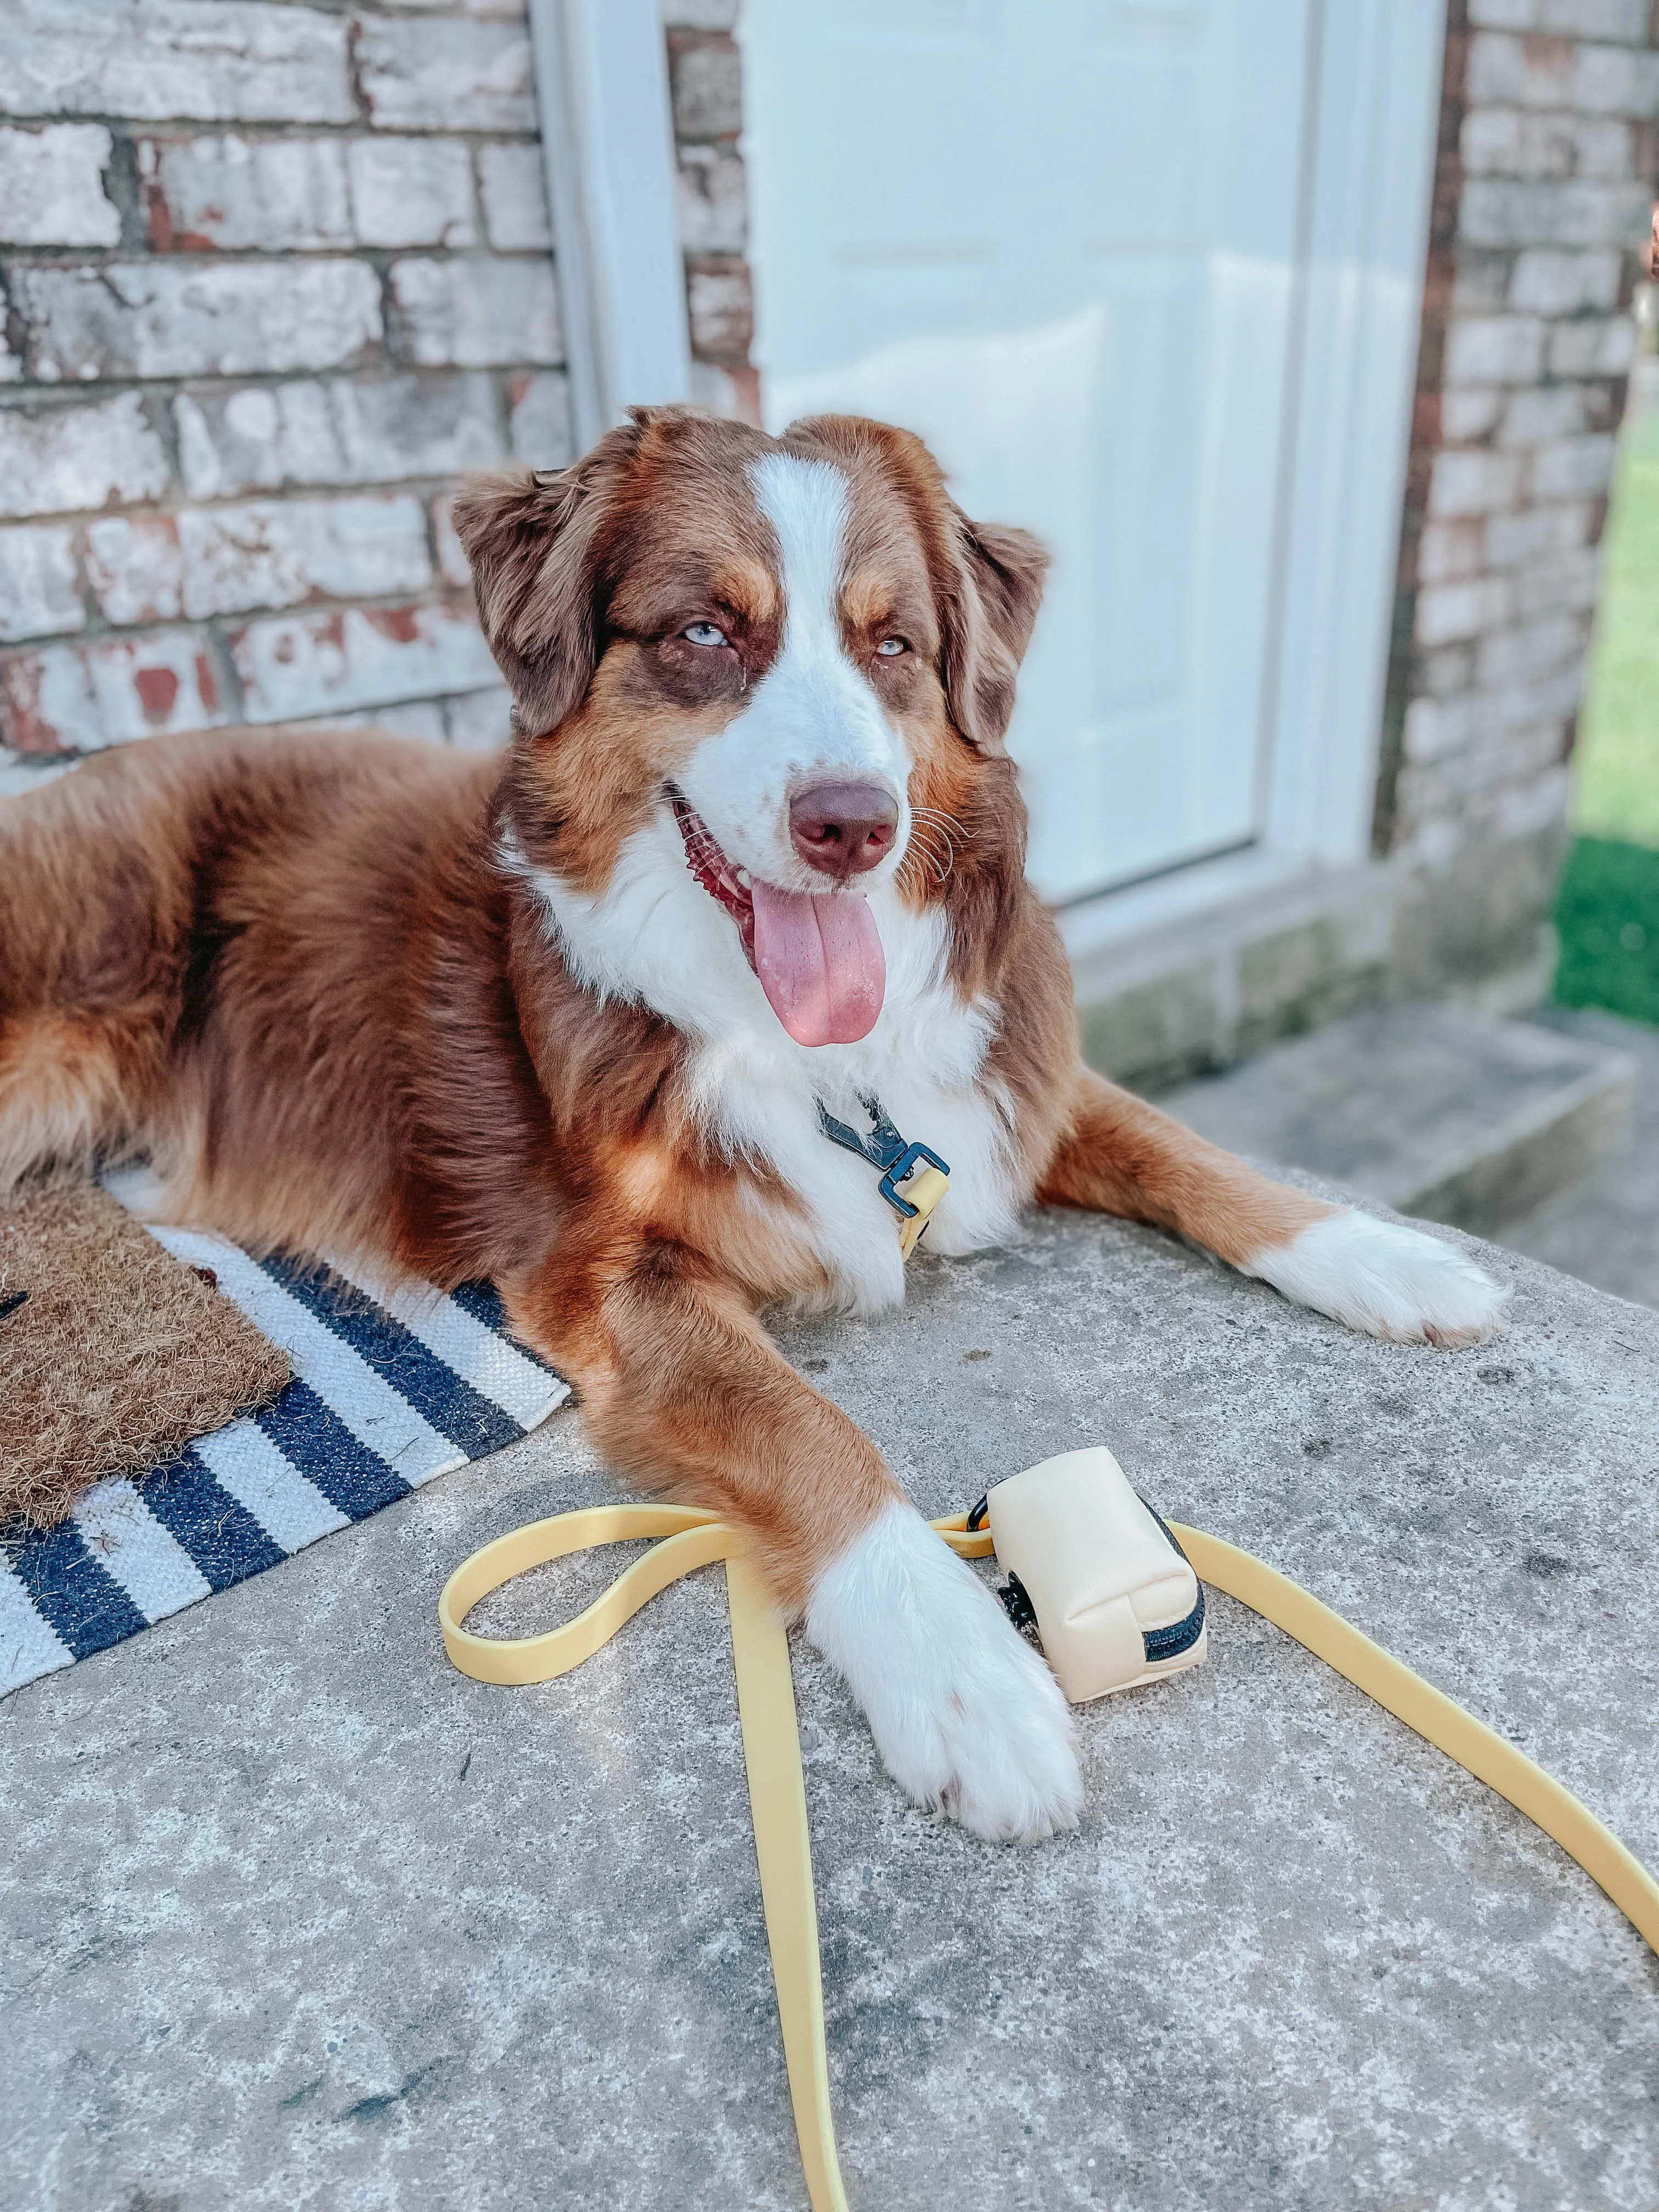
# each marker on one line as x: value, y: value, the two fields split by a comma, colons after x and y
x: 296, y: 1917
x: 1605, y: 1228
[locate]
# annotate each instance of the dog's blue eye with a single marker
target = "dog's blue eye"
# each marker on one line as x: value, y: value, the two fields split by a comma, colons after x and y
x: 705, y: 634
x: 890, y: 647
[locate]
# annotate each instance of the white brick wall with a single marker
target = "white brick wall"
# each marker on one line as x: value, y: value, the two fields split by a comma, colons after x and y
x: 273, y: 276
x: 1548, y: 152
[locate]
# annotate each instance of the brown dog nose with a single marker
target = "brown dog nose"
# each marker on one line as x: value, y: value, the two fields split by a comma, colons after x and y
x: 843, y: 828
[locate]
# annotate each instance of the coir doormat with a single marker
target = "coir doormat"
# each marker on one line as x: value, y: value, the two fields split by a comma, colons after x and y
x: 389, y: 1388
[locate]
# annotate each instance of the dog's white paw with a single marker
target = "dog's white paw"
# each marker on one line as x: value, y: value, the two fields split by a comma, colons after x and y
x: 1387, y: 1280
x: 963, y: 1712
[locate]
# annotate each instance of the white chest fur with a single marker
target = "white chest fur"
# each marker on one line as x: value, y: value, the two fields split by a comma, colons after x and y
x: 655, y: 937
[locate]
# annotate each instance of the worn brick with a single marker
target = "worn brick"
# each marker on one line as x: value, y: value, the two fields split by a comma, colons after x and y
x: 421, y: 720
x: 296, y: 665
x: 1567, y: 580
x: 1469, y: 410
x: 283, y: 553
x: 1592, y: 347
x: 706, y: 83
x: 514, y: 198
x: 1538, y: 412
x: 1521, y: 71
x: 222, y: 319
x: 39, y: 589
x: 1537, y: 532
x: 1450, y: 550
x: 51, y: 186
x: 340, y: 430
x: 58, y: 459
x: 226, y: 192
x: 453, y: 566
x: 411, y: 192
x: 1572, y: 468
x: 1550, y: 283
x: 1531, y: 649
x: 446, y: 75
x: 152, y: 60
x: 721, y: 307
x: 1443, y: 789
x: 1440, y: 726
x: 1518, y: 142
x: 1481, y: 286
x: 1472, y: 481
x: 1494, y: 349
x: 480, y: 721
x: 80, y: 698
x: 503, y: 10
x: 475, y: 313
x: 539, y: 418
x: 1573, y: 211
x: 1444, y: 671
x: 1626, y: 20
x: 1423, y: 732
x: 1446, y: 611
x: 232, y: 560
x: 136, y: 567
x: 714, y: 200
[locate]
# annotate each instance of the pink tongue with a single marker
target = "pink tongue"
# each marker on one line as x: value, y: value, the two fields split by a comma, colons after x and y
x: 820, y: 963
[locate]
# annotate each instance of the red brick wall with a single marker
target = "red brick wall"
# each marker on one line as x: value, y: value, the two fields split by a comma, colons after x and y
x: 706, y: 80
x: 1546, y: 166
x: 273, y: 276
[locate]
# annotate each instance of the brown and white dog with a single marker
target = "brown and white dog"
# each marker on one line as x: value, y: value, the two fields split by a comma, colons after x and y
x: 566, y: 1020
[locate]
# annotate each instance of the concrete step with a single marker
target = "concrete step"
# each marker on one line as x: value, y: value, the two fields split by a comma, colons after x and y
x: 1434, y: 1110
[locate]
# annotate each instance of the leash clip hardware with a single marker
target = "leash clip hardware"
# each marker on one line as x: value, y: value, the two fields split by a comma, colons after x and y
x: 903, y: 1167
x: 899, y: 1162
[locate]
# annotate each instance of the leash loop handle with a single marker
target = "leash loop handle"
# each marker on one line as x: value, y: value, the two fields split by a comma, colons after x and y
x: 771, y: 1743
x: 690, y: 1538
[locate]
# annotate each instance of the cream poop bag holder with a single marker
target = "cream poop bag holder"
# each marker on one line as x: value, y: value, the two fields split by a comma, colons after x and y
x: 1111, y: 1591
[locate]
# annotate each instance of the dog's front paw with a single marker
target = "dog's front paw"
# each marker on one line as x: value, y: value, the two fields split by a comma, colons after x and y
x: 963, y: 1712
x: 1387, y: 1280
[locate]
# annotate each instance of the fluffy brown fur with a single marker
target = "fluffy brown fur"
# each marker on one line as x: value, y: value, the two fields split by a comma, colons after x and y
x: 294, y: 972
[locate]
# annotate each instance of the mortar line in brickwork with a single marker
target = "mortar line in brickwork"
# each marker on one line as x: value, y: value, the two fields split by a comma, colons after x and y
x: 40, y: 393
x: 266, y: 127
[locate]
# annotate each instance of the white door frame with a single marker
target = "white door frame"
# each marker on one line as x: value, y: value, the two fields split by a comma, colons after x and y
x: 612, y: 184
x: 607, y: 138
x: 1376, y: 65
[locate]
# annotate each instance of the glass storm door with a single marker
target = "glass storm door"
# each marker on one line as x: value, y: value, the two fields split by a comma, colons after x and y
x: 1059, y: 239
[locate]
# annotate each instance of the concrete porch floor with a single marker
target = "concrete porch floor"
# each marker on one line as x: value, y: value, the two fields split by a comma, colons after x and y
x: 297, y: 1916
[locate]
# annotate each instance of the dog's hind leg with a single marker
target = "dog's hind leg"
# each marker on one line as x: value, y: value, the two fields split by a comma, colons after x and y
x: 1121, y: 1155
x: 71, y: 1085
x: 87, y: 967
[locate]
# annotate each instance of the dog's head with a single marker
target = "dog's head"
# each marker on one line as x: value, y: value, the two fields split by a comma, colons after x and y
x: 799, y: 647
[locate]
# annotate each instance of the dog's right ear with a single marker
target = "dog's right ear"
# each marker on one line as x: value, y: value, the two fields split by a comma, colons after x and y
x: 535, y: 541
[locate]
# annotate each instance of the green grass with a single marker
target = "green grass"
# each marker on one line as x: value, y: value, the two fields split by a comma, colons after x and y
x: 1616, y: 765
x: 1607, y: 912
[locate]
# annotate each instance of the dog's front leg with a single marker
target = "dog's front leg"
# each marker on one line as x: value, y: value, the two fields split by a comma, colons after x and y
x: 683, y: 1390
x: 1121, y: 1155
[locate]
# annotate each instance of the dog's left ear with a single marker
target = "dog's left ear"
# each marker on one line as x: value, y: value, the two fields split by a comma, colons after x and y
x: 535, y: 543
x: 989, y: 608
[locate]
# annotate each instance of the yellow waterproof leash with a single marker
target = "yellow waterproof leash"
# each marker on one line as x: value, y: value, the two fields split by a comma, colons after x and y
x: 771, y: 1740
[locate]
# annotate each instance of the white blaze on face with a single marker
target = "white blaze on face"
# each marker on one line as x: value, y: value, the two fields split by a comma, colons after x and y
x: 814, y: 719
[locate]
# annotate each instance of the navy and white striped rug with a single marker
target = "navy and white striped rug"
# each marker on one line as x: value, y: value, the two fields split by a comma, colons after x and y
x: 389, y: 1389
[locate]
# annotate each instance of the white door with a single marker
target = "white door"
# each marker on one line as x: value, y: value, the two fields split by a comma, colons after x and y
x: 1059, y: 239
